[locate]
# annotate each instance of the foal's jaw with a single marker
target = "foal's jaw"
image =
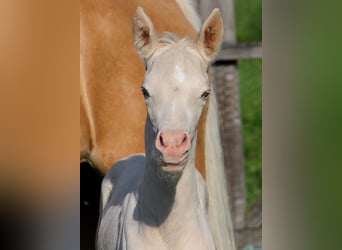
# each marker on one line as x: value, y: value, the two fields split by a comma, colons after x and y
x: 174, y: 166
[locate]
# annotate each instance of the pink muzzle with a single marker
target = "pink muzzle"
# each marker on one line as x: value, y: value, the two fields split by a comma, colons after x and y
x: 173, y: 144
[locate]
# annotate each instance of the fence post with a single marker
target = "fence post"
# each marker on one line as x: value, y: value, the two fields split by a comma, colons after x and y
x: 225, y: 78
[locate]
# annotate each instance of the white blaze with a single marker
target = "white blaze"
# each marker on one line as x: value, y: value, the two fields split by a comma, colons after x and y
x: 179, y: 74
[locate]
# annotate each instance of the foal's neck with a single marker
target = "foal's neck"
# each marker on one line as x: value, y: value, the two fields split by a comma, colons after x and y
x: 163, y: 201
x: 173, y: 207
x: 167, y: 200
x: 169, y: 205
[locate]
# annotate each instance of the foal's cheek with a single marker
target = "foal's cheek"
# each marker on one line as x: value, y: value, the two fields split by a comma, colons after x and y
x: 153, y: 119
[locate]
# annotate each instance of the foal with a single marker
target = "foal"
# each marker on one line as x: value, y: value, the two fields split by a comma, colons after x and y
x: 159, y: 201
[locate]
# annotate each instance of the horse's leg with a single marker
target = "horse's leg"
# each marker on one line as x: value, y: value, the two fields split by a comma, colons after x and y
x: 115, y: 146
x: 85, y: 138
x: 102, y: 158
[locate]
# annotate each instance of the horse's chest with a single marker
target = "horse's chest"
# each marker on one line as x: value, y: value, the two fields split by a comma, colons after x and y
x: 143, y: 240
x: 143, y: 237
x: 153, y: 240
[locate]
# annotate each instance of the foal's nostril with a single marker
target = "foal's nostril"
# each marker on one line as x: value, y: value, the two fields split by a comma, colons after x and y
x: 184, y: 140
x: 161, y: 140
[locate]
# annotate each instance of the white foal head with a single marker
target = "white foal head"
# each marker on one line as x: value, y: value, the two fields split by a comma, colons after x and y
x: 176, y: 84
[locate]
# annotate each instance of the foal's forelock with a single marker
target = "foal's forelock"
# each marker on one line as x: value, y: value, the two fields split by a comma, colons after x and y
x: 169, y: 40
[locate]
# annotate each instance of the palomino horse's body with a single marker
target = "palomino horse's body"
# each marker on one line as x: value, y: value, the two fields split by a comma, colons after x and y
x: 160, y: 201
x: 112, y: 113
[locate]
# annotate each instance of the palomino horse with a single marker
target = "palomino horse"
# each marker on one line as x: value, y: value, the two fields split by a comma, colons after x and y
x: 160, y: 201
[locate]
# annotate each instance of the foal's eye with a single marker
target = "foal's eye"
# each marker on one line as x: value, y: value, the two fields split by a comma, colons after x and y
x: 145, y: 92
x: 205, y: 94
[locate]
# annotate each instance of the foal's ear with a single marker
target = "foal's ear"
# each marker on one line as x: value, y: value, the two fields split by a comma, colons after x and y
x: 145, y: 36
x: 210, y: 37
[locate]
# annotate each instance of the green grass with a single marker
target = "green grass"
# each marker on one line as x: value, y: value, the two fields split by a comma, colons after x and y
x: 248, y: 15
x: 251, y: 104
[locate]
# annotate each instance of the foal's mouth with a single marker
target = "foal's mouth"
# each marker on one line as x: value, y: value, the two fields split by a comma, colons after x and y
x: 174, y: 166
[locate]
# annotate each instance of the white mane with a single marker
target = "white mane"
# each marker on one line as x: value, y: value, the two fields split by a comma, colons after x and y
x: 189, y: 8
